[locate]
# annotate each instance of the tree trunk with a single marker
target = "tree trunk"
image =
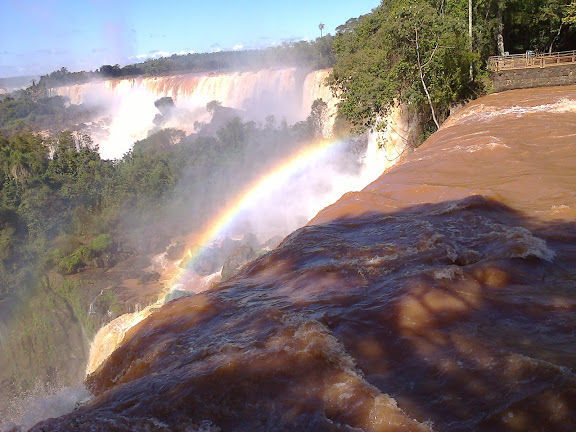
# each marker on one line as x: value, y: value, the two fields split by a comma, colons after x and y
x: 470, y: 36
x: 470, y: 22
x: 501, y: 49
x: 555, y: 38
x: 421, y: 68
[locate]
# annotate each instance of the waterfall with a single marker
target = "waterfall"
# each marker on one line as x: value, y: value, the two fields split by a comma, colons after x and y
x: 285, y: 93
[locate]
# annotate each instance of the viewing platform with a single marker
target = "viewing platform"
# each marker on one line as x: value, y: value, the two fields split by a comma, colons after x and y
x: 533, y: 70
x: 531, y: 60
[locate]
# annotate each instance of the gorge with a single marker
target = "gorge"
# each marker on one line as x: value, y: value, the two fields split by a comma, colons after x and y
x: 440, y: 297
x: 353, y: 232
x: 292, y: 190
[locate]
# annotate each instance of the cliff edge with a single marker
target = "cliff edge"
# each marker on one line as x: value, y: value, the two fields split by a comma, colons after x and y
x: 441, y: 297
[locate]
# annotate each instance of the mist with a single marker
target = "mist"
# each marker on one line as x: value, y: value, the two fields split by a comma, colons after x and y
x: 213, y: 137
x: 128, y: 112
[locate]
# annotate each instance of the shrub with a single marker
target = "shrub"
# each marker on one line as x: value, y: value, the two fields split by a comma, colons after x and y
x: 70, y: 264
x: 102, y: 243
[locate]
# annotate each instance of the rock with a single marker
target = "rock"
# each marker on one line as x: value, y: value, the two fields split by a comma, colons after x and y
x: 240, y: 256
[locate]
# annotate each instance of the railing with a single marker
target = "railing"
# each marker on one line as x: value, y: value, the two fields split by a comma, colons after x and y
x: 531, y: 60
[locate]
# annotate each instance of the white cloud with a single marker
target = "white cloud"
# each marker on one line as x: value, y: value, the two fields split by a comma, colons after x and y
x: 238, y: 47
x: 158, y: 54
x: 215, y: 48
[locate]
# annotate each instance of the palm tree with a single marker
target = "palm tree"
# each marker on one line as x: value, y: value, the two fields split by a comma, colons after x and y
x: 321, y: 27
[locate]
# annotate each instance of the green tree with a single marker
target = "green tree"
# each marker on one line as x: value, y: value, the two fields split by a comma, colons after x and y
x: 570, y: 14
x: 318, y: 118
x: 412, y: 52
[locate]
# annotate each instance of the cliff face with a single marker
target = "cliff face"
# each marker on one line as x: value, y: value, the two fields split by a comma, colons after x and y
x: 441, y: 297
x: 45, y: 337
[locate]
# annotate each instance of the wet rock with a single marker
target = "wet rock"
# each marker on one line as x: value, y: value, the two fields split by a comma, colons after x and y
x: 239, y: 256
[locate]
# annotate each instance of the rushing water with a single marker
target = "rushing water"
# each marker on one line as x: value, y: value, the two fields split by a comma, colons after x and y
x: 291, y: 192
x: 128, y: 103
x: 441, y: 297
x: 303, y: 176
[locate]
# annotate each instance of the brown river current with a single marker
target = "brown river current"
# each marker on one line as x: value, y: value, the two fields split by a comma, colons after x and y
x: 441, y: 297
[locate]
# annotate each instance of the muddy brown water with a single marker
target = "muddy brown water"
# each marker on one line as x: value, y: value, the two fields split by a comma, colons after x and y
x: 441, y: 297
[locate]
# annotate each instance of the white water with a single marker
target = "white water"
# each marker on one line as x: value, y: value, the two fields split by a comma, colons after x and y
x: 132, y: 104
x: 129, y: 103
x: 278, y: 212
x: 42, y: 404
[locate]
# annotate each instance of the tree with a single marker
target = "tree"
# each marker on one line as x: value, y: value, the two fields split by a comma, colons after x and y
x: 471, y: 34
x: 500, y: 18
x: 535, y: 25
x: 109, y: 71
x: 321, y: 27
x: 570, y: 14
x: 317, y: 117
x: 405, y: 51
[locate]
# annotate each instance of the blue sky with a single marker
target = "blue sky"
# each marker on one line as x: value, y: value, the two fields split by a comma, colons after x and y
x: 40, y: 36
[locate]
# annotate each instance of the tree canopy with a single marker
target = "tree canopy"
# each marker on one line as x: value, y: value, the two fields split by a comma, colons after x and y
x: 410, y: 52
x: 419, y: 52
x: 310, y: 54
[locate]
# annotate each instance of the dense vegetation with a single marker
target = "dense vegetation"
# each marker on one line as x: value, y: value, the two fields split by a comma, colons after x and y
x: 314, y: 54
x: 65, y: 213
x: 32, y: 110
x: 570, y: 15
x: 420, y: 52
x: 60, y: 203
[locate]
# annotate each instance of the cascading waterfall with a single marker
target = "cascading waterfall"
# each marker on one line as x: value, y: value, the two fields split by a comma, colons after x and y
x: 285, y: 93
x: 440, y: 297
x: 383, y: 151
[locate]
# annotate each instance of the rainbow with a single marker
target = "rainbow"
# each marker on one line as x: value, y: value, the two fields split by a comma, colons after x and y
x: 274, y: 178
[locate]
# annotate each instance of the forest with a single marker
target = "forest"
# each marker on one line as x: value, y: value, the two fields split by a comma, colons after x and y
x: 59, y: 200
x: 309, y: 54
x: 428, y: 54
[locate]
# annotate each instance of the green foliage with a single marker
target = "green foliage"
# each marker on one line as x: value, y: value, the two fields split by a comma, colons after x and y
x: 570, y: 14
x: 32, y: 110
x: 70, y: 264
x: 101, y: 244
x: 83, y: 255
x: 380, y: 58
x: 63, y: 208
x: 63, y: 76
x: 75, y: 298
x: 537, y: 25
x: 310, y: 54
x: 406, y: 48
